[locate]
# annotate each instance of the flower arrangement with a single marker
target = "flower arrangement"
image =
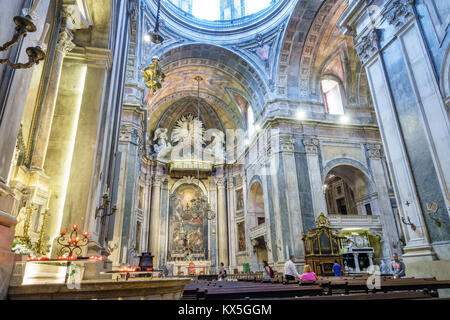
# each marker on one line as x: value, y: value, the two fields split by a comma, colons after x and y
x: 22, y: 248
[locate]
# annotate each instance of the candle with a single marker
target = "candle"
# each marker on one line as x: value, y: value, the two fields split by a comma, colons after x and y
x: 34, y: 6
x: 44, y: 32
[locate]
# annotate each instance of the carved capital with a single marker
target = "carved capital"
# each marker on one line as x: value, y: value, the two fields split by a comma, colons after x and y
x: 126, y: 133
x: 220, y: 182
x: 311, y: 145
x: 367, y: 45
x: 287, y: 144
x: 65, y: 43
x: 158, y: 180
x: 399, y: 12
x: 374, y: 151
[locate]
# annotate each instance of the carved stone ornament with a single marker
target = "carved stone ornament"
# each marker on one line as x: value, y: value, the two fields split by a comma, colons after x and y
x: 220, y: 182
x: 287, y: 144
x: 374, y: 151
x: 367, y: 46
x: 158, y: 180
x: 399, y: 12
x: 311, y: 145
x: 65, y: 43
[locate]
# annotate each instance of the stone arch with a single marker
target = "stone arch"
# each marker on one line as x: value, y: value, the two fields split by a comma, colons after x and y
x: 255, y: 198
x: 296, y: 44
x: 188, y: 180
x: 357, y: 191
x: 345, y: 82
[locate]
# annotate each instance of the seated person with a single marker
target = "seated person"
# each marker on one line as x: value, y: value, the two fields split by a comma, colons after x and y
x: 308, y: 274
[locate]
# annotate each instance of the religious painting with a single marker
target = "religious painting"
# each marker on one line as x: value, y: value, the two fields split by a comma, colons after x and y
x: 239, y: 200
x: 241, y: 236
x: 188, y: 228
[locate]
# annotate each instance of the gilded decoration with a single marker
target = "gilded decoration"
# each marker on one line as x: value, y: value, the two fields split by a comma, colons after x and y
x: 322, y: 246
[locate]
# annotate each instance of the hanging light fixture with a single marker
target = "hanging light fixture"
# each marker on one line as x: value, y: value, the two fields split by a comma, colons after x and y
x: 155, y: 36
x: 154, y: 75
x: 200, y: 204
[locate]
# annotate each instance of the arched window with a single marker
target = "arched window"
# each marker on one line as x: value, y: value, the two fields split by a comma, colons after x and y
x: 332, y: 96
x: 250, y: 122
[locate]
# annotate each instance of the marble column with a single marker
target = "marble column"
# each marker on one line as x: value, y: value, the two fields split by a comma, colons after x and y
x: 287, y: 144
x: 384, y: 202
x: 64, y: 46
x: 222, y: 232
x: 315, y: 177
x: 155, y: 217
x: 413, y: 120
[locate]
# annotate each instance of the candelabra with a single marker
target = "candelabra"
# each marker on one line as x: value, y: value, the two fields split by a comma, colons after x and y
x: 24, y: 25
x: 26, y: 228
x: 40, y: 246
x: 72, y: 246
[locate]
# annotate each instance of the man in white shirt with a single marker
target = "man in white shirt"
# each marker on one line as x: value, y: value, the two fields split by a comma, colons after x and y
x: 290, y: 272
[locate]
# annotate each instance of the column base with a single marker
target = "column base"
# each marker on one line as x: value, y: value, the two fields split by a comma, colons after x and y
x: 418, y: 253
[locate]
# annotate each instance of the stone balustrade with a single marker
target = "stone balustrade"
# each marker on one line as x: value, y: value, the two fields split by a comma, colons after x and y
x: 354, y: 221
x: 258, y: 231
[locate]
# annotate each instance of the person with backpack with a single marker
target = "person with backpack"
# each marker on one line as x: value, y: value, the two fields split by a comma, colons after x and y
x: 268, y: 271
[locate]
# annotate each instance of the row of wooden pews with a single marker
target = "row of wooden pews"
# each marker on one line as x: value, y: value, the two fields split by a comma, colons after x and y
x: 253, y: 286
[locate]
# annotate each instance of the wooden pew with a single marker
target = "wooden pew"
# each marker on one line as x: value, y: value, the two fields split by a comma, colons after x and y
x: 261, y: 292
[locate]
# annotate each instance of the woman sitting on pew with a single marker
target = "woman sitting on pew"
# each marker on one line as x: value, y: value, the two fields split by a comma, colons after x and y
x: 308, y: 274
x: 268, y: 272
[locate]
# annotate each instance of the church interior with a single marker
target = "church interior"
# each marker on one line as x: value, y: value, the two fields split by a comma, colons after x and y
x: 167, y: 143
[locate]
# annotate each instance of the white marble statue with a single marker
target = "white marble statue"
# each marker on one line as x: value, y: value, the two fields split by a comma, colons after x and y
x: 161, y: 140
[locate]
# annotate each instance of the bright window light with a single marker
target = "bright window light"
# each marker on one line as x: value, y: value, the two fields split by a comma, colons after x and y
x: 254, y: 6
x: 212, y: 9
x: 301, y: 114
x: 206, y: 9
x: 250, y: 121
x: 332, y: 96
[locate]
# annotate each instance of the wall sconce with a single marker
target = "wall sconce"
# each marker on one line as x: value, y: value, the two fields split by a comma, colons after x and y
x: 432, y: 210
x: 24, y: 24
x: 104, y: 208
x: 409, y: 223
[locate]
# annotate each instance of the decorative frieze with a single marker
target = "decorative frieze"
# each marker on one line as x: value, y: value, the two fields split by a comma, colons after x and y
x: 367, y: 45
x: 400, y: 12
x: 311, y: 145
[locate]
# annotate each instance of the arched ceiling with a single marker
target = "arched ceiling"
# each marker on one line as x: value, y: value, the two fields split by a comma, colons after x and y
x: 229, y: 84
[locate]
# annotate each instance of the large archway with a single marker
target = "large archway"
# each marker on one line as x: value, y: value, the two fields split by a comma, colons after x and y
x: 256, y: 220
x: 349, y: 191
